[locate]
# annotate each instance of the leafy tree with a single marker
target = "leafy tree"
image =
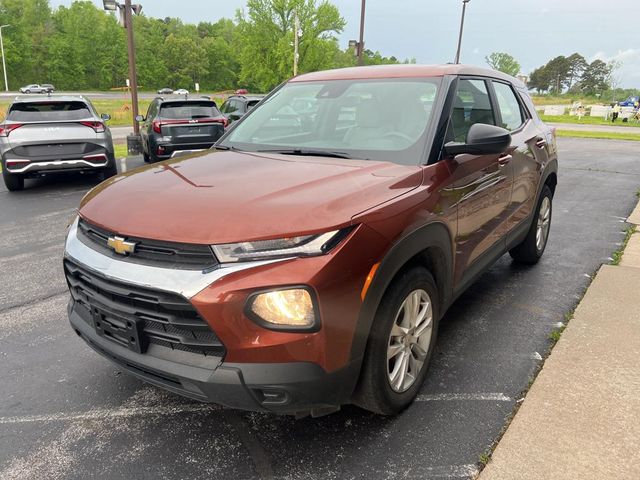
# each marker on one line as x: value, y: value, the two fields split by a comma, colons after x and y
x: 557, y: 71
x: 266, y: 35
x: 188, y: 61
x: 577, y: 66
x: 540, y: 79
x: 503, y: 62
x: 83, y: 47
x: 595, y: 77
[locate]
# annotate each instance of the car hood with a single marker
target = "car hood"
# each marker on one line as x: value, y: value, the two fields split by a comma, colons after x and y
x: 224, y: 197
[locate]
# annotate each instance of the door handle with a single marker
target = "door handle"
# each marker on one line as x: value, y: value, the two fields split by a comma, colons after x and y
x: 504, y: 159
x: 541, y: 143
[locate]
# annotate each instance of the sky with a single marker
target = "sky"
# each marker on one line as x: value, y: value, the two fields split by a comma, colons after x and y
x: 533, y: 31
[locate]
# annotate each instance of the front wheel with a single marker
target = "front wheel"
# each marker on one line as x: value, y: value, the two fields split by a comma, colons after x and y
x: 530, y: 250
x: 401, y: 342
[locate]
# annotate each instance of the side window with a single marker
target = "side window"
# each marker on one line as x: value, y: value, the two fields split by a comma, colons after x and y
x: 509, y: 106
x: 471, y: 105
x: 151, y: 110
x: 232, y: 106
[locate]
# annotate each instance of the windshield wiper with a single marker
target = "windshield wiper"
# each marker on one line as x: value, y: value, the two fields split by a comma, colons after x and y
x: 307, y: 153
x: 225, y: 148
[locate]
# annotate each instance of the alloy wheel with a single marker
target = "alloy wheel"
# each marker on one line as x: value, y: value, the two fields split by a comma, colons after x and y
x: 409, y: 340
x: 544, y: 220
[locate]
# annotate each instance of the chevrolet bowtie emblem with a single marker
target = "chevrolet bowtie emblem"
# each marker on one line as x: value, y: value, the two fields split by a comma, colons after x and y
x: 120, y: 245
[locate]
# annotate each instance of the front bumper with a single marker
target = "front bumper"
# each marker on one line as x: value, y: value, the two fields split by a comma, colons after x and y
x: 287, y: 388
x: 262, y: 369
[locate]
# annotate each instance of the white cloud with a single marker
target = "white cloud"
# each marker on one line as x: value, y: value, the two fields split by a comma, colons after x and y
x: 629, y: 73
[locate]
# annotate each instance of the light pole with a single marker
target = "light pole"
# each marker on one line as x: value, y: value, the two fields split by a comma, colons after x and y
x: 464, y: 9
x: 4, y: 64
x: 126, y: 19
x: 361, y: 41
x: 296, y: 42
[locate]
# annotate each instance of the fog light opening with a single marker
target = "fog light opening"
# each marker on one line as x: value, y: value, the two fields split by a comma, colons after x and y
x: 284, y: 309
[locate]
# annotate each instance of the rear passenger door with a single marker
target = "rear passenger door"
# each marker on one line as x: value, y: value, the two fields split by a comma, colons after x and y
x: 482, y: 183
x: 529, y: 148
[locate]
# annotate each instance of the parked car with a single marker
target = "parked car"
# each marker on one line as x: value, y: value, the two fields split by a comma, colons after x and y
x: 295, y: 271
x: 630, y: 102
x: 54, y: 134
x: 33, y: 88
x: 236, y: 106
x: 48, y: 87
x: 165, y: 91
x: 177, y: 125
x: 181, y: 91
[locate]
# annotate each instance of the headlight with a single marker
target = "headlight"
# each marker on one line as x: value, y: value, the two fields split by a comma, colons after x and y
x: 289, y: 309
x: 306, y: 246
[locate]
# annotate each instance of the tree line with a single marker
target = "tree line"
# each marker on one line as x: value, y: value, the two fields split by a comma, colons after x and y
x: 83, y: 47
x: 574, y: 75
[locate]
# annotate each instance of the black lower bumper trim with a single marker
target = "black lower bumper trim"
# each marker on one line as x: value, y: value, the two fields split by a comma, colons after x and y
x: 289, y: 388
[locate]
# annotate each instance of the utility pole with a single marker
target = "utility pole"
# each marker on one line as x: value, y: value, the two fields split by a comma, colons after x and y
x: 133, y: 77
x: 296, y: 30
x: 361, y: 41
x: 4, y: 65
x: 464, y: 9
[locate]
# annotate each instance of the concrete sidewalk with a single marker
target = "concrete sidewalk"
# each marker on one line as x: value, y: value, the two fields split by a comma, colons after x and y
x: 581, y: 417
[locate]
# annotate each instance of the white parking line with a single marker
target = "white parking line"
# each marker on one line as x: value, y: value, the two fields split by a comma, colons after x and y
x: 493, y: 397
x: 106, y: 414
x: 451, y: 471
x: 123, y: 164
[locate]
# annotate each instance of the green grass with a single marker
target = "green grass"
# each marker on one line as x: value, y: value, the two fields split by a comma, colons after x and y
x: 601, y: 135
x: 617, y: 255
x: 484, y: 459
x: 586, y: 121
x: 121, y: 150
x: 551, y: 100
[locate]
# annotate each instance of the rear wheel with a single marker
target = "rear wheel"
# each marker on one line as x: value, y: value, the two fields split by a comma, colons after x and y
x: 401, y: 342
x: 530, y: 250
x: 110, y: 170
x: 13, y: 181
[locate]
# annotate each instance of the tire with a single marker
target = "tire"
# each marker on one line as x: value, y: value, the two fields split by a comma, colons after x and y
x: 379, y: 391
x: 530, y: 250
x: 145, y: 155
x: 153, y: 158
x: 109, y: 171
x: 13, y: 182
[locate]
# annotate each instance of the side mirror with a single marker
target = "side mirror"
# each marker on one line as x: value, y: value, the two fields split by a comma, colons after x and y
x: 482, y: 139
x: 139, y: 118
x: 106, y: 117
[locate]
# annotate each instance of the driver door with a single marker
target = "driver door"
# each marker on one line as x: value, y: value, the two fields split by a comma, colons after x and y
x: 482, y: 184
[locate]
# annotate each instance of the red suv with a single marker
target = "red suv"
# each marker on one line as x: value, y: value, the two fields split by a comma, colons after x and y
x: 306, y: 263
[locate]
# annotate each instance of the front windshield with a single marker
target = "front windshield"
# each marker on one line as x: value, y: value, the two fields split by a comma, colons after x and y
x: 363, y: 119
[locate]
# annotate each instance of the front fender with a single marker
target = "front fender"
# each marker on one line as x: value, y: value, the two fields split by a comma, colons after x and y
x: 434, y: 235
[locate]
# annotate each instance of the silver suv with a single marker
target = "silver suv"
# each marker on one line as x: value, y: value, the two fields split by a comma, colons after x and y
x: 34, y: 88
x: 54, y: 134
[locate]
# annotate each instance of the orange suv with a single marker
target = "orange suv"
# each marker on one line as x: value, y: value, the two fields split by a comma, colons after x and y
x: 306, y: 263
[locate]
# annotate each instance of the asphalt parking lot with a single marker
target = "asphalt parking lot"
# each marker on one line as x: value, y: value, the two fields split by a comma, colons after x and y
x: 66, y: 413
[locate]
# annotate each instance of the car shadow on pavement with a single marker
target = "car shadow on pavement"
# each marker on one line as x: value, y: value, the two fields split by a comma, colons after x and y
x: 60, y: 182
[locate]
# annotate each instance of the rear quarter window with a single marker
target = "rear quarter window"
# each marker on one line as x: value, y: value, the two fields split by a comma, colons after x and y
x: 191, y: 110
x: 49, y: 111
